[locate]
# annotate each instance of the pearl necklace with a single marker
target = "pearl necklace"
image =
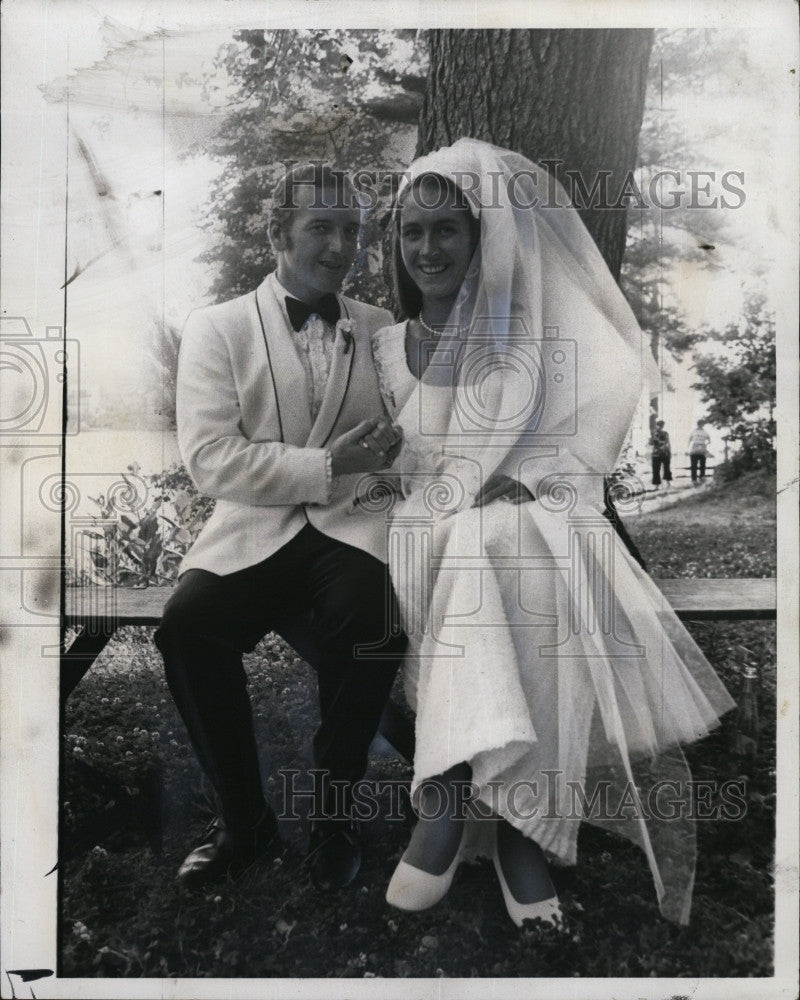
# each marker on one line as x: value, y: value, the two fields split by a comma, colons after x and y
x: 431, y: 330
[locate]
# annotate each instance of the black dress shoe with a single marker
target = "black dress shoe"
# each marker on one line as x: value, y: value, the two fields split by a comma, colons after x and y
x: 227, y: 851
x: 335, y: 851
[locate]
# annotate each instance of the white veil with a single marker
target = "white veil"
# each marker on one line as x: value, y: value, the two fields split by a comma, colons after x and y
x: 540, y: 342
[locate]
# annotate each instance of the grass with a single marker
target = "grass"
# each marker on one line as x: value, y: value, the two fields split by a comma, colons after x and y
x: 122, y: 914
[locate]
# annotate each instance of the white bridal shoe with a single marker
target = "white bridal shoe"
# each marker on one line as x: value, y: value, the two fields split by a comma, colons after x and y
x: 413, y: 889
x: 547, y: 910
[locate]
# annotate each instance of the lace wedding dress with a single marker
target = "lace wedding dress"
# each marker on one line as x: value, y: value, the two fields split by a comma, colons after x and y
x: 542, y: 654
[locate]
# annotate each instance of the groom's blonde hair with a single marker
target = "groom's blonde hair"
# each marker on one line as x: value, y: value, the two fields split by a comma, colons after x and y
x: 322, y: 177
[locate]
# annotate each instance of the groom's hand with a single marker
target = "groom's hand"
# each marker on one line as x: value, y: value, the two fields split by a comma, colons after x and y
x: 385, y: 439
x: 502, y: 488
x: 369, y: 447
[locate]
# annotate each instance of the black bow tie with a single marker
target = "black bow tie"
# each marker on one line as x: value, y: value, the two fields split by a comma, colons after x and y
x: 327, y: 307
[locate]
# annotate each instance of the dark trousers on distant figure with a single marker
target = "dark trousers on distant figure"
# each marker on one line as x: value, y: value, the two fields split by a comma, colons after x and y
x: 658, y: 462
x: 210, y: 621
x: 697, y: 463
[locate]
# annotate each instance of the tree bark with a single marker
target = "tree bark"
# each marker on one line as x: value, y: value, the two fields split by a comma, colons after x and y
x: 572, y: 96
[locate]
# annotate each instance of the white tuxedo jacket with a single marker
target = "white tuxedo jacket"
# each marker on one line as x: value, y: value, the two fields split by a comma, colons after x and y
x: 246, y: 436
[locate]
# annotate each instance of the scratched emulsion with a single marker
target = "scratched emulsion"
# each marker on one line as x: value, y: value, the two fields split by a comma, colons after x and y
x: 143, y: 122
x: 137, y: 181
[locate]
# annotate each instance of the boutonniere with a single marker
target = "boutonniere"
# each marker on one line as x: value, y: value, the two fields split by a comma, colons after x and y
x: 345, y: 327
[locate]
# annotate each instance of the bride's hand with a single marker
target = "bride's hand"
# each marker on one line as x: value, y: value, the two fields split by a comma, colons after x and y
x: 385, y: 440
x: 499, y: 487
x: 366, y: 448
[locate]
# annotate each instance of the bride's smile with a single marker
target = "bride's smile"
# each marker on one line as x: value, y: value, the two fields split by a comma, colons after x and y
x: 436, y: 239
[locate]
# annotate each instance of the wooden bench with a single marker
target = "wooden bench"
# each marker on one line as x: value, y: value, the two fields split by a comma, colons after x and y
x: 691, y: 599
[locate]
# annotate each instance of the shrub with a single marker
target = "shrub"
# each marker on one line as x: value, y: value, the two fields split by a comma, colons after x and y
x: 144, y: 547
x: 738, y: 387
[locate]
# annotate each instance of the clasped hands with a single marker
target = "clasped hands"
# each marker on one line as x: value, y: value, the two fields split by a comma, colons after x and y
x: 373, y: 445
x: 370, y: 446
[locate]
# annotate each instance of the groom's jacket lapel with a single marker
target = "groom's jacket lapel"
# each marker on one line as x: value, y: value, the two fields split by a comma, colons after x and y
x: 338, y: 381
x: 285, y: 368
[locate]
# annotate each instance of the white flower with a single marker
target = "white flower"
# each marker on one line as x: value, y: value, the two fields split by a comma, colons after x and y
x: 345, y: 328
x: 80, y: 930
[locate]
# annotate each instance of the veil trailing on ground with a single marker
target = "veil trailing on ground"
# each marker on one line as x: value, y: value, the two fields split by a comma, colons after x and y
x: 573, y: 664
x: 540, y: 340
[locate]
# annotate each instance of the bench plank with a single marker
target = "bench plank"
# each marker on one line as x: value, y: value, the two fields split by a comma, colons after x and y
x: 101, y: 610
x: 694, y: 599
x: 721, y: 599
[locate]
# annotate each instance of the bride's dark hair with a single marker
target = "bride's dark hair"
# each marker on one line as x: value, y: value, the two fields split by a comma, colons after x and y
x: 406, y: 293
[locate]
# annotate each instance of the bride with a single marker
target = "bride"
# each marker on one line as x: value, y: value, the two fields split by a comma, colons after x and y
x: 551, y: 681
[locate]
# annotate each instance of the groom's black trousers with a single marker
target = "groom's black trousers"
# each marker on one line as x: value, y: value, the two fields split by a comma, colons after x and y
x: 347, y: 599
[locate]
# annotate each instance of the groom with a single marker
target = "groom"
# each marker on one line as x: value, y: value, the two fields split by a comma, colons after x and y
x: 279, y: 417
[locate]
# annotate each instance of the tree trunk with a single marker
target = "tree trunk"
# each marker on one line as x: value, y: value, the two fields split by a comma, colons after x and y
x: 572, y: 96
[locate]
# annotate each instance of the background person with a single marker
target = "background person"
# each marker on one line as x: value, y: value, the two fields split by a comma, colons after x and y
x: 699, y: 441
x: 662, y: 455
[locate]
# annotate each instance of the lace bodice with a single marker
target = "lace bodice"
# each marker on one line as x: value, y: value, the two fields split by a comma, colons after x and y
x: 397, y: 385
x: 389, y: 353
x: 425, y: 450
